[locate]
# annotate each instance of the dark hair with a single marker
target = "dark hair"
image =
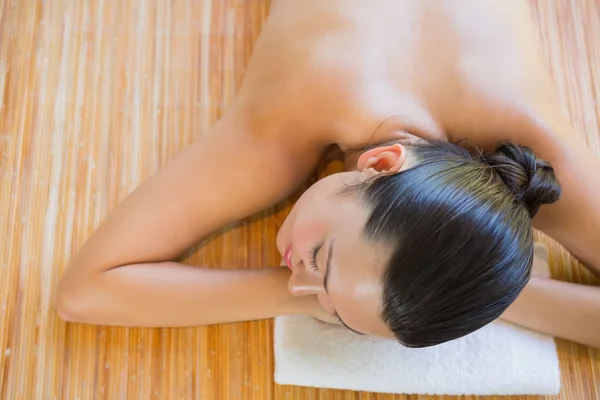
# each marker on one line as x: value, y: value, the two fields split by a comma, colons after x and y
x: 461, y: 237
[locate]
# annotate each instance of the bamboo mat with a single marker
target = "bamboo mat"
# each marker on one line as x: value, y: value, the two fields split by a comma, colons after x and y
x: 97, y: 95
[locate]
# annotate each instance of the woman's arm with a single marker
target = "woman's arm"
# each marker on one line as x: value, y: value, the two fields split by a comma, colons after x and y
x: 168, y: 294
x: 562, y: 309
x: 120, y: 276
x: 574, y: 221
x: 541, y: 124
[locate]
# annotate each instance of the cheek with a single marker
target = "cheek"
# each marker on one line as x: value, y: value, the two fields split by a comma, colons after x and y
x: 309, y: 229
x: 298, y: 222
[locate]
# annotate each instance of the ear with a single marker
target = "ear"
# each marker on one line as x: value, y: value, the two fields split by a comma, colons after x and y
x: 384, y: 159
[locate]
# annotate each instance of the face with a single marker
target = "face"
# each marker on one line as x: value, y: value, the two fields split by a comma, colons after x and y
x: 322, y: 245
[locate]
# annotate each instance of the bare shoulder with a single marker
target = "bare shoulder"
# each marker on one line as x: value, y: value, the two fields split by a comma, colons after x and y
x: 493, y: 81
x: 228, y: 173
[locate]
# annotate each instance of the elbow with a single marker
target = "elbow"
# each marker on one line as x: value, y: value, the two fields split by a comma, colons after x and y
x: 71, y: 302
x: 66, y: 309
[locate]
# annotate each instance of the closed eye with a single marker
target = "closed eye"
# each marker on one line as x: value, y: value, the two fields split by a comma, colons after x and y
x: 313, y: 257
x: 341, y: 321
x: 313, y: 264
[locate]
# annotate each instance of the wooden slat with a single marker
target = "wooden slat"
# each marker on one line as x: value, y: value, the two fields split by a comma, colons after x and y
x: 95, y: 96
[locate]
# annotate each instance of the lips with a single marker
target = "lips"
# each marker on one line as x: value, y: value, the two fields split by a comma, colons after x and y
x: 287, y: 256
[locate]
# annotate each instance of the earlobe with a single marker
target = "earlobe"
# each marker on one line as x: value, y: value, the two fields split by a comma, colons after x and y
x: 385, y: 159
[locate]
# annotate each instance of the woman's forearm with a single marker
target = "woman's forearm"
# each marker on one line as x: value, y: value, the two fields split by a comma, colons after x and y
x: 171, y: 294
x: 562, y: 309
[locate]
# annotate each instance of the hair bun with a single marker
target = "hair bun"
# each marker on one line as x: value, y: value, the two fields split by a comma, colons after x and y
x: 531, y: 180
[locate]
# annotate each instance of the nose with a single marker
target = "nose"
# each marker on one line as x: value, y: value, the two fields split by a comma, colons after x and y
x: 303, y: 282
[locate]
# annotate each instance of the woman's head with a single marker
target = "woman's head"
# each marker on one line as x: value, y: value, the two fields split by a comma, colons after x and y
x: 425, y: 242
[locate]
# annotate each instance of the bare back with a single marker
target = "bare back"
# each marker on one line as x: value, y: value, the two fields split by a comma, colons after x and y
x: 340, y: 68
x: 332, y: 72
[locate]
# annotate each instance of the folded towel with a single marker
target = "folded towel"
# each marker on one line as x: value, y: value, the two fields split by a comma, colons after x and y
x: 500, y: 358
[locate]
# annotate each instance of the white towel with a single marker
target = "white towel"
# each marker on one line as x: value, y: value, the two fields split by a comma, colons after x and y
x: 499, y: 359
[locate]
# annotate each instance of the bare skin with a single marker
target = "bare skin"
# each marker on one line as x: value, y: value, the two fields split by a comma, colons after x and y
x: 345, y: 73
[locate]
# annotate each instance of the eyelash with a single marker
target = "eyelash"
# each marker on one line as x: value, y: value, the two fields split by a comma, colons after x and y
x: 313, y: 257
x: 339, y: 320
x: 337, y: 317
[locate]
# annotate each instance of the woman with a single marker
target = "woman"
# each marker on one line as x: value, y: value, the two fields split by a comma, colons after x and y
x: 421, y: 241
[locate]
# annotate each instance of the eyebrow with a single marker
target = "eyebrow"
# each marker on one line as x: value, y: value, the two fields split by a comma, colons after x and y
x: 325, y: 280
